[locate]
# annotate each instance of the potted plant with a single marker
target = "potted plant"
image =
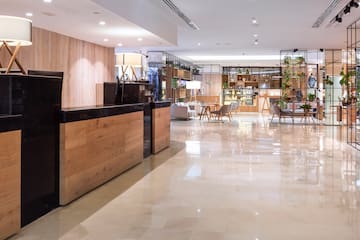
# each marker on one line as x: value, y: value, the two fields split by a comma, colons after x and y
x: 345, y: 81
x: 287, y: 60
x: 328, y: 81
x: 300, y: 60
x: 306, y: 107
x: 311, y: 97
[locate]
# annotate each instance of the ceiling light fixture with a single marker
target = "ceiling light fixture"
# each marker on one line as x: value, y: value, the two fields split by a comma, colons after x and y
x: 106, y: 39
x: 333, y: 5
x: 254, y: 21
x: 354, y: 4
x: 28, y: 14
x: 338, y: 19
x: 347, y: 10
x: 256, y: 42
x: 256, y: 35
x: 139, y: 39
x: 120, y: 44
x: 236, y: 58
x: 102, y: 23
x: 199, y: 44
x: 48, y: 1
x: 182, y: 15
x: 344, y: 11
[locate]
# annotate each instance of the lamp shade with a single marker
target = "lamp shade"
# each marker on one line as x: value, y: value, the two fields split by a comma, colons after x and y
x: 119, y: 59
x: 15, y: 30
x: 132, y: 59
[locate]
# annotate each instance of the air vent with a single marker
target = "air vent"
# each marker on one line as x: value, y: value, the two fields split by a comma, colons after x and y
x: 182, y: 15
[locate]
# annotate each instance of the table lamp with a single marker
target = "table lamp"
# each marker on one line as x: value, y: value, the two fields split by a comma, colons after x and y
x: 14, y: 31
x: 126, y: 60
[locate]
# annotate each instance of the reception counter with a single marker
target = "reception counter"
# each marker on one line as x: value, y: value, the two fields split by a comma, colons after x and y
x: 160, y: 126
x: 10, y: 164
x: 97, y: 144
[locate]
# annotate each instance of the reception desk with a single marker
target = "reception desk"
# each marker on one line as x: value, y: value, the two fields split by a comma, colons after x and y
x: 97, y: 144
x: 160, y: 126
x: 10, y: 165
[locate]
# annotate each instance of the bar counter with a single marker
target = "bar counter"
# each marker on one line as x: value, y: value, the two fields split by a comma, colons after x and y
x: 160, y: 126
x: 10, y: 165
x: 97, y: 144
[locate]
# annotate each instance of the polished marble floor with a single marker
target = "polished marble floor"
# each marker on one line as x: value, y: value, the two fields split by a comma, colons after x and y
x: 244, y: 180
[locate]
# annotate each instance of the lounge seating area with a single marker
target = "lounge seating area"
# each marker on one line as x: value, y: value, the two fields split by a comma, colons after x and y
x: 294, y: 111
x: 202, y: 111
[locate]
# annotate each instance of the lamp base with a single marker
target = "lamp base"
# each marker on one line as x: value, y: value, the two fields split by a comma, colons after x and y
x: 13, y: 57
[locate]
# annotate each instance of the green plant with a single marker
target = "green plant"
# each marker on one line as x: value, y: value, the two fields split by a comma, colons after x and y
x: 328, y: 81
x: 287, y: 60
x: 346, y: 78
x: 346, y: 81
x: 311, y: 97
x: 306, y: 106
x: 300, y: 60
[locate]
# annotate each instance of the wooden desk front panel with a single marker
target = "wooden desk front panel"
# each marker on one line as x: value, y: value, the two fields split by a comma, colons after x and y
x: 94, y: 151
x: 10, y: 165
x: 160, y: 129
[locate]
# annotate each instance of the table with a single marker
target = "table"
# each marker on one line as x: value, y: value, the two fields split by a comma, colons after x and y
x: 206, y: 110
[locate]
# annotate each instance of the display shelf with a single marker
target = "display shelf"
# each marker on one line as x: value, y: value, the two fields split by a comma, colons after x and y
x: 245, y: 98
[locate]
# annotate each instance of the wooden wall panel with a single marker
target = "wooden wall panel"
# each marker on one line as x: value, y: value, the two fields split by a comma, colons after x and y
x: 160, y: 129
x: 94, y: 151
x: 211, y: 84
x: 84, y: 64
x: 10, y: 153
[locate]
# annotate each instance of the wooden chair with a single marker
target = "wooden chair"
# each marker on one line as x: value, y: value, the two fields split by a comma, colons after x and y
x: 223, y: 111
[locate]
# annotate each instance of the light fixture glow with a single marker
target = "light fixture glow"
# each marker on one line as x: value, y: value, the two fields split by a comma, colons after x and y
x: 256, y: 42
x: 256, y: 35
x: 28, y: 14
x: 235, y: 58
x: 106, y: 39
x: 254, y: 21
x: 120, y: 44
x: 48, y: 1
x: 199, y: 44
x: 139, y: 39
x: 102, y: 23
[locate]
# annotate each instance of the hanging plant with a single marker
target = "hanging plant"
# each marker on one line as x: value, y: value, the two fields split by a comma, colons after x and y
x: 287, y: 60
x: 300, y: 60
x: 328, y: 81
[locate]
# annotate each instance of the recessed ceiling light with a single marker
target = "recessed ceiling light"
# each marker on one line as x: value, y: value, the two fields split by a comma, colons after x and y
x: 256, y: 42
x: 254, y: 21
x: 120, y: 44
x: 199, y: 44
x: 139, y: 39
x: 102, y: 23
x: 28, y: 14
x: 48, y: 1
x: 106, y: 39
x: 256, y: 35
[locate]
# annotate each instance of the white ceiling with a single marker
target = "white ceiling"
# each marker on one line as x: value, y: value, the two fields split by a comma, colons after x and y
x: 225, y: 26
x: 76, y: 18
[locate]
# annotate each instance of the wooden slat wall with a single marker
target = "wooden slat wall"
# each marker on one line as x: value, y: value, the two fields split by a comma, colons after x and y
x: 94, y: 151
x: 10, y: 153
x: 84, y: 64
x: 160, y: 129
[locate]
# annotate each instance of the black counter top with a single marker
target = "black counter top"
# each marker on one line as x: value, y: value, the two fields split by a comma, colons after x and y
x: 85, y: 113
x: 10, y: 123
x: 160, y: 104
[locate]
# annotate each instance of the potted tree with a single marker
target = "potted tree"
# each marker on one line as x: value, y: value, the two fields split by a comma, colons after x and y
x: 306, y: 107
